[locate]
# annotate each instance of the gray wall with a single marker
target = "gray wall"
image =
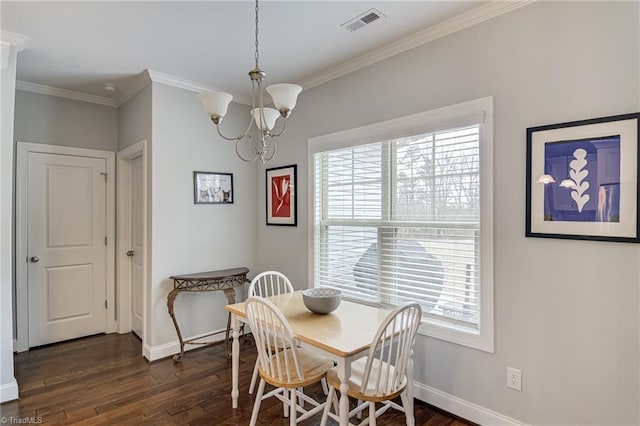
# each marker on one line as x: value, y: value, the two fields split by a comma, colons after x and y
x: 58, y: 121
x: 566, y: 312
x: 134, y: 119
x: 187, y: 237
x: 575, y: 335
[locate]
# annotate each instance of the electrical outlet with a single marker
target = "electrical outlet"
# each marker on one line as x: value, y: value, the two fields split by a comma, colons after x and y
x: 514, y: 379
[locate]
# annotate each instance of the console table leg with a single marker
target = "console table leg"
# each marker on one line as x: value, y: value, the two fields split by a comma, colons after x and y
x: 170, y: 300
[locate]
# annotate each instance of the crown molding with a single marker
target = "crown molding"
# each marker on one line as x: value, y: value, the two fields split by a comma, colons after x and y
x: 173, y: 81
x: 14, y: 39
x: 442, y: 29
x: 149, y: 75
x: 141, y: 81
x: 449, y: 26
x: 128, y: 92
x: 41, y: 89
x: 181, y: 83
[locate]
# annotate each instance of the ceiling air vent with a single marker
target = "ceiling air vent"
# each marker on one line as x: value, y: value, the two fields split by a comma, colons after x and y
x: 362, y: 20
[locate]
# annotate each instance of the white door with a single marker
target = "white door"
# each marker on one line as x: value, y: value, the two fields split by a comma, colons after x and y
x: 137, y: 245
x: 66, y: 247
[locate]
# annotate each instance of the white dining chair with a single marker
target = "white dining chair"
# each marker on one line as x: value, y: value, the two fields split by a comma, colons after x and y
x: 267, y: 284
x: 282, y: 363
x: 270, y: 283
x: 382, y: 375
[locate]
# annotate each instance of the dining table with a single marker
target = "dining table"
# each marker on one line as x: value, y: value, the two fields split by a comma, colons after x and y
x: 342, y: 336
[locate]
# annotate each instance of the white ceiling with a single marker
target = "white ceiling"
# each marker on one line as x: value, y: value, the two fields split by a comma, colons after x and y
x: 80, y: 46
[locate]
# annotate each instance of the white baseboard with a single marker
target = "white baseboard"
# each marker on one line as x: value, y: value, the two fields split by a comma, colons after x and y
x: 9, y: 391
x: 154, y: 353
x: 146, y: 352
x: 465, y: 409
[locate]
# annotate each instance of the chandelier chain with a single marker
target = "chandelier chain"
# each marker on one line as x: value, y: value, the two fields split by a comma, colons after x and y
x: 257, y: 55
x: 264, y: 119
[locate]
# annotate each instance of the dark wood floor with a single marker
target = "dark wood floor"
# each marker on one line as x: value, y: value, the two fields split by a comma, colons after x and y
x: 103, y: 380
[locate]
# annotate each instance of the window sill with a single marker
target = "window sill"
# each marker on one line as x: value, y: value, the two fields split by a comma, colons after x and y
x: 460, y: 334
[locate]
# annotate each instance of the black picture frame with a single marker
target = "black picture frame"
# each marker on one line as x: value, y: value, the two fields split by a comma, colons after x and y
x: 582, y: 180
x: 212, y: 188
x: 281, y: 198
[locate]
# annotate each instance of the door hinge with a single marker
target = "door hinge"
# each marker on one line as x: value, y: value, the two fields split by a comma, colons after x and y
x: 105, y: 241
x: 106, y: 305
x: 105, y: 175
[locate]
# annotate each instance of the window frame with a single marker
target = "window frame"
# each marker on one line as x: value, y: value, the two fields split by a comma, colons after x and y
x: 478, y: 111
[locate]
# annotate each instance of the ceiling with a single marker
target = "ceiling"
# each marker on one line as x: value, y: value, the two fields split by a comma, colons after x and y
x: 80, y: 46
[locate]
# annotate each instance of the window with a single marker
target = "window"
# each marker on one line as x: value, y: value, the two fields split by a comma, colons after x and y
x: 398, y: 216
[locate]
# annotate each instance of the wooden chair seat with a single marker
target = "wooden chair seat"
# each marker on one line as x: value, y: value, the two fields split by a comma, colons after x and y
x: 314, y: 367
x: 355, y: 381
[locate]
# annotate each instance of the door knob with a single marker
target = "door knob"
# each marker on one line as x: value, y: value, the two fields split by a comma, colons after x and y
x: 34, y: 259
x: 130, y: 253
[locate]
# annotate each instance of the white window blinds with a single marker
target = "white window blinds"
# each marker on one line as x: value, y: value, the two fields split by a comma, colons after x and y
x: 399, y: 221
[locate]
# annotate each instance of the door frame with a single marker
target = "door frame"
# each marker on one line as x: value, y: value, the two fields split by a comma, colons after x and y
x: 22, y: 295
x: 124, y: 158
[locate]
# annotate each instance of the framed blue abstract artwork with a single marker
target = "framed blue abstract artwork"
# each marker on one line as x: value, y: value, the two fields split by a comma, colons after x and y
x: 582, y: 179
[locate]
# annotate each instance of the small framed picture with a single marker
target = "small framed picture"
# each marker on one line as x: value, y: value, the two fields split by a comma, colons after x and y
x: 281, y: 196
x: 212, y: 188
x: 582, y: 180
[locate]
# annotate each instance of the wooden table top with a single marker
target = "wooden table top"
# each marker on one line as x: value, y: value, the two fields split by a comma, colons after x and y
x: 344, y: 332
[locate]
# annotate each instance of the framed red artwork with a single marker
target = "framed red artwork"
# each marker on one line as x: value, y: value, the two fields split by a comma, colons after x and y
x: 281, y: 196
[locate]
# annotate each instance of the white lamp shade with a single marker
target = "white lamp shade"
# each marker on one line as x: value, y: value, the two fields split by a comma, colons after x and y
x: 215, y: 103
x: 284, y: 95
x: 545, y: 179
x: 568, y: 183
x: 270, y: 117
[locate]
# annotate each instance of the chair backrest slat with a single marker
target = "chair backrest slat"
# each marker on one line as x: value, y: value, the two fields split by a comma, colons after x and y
x: 275, y: 341
x: 391, y: 349
x: 270, y: 283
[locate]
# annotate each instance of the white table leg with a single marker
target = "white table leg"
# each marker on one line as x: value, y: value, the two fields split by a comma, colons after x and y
x: 410, y: 413
x: 235, y: 362
x: 344, y: 373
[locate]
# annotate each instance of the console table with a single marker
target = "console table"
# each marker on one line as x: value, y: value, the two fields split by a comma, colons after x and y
x: 225, y: 280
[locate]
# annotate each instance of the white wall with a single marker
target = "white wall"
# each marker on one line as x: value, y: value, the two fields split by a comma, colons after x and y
x: 59, y: 121
x: 190, y: 238
x: 8, y: 384
x: 566, y: 312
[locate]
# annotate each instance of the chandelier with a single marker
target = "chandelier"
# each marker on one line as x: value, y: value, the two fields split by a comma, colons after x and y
x: 284, y: 98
